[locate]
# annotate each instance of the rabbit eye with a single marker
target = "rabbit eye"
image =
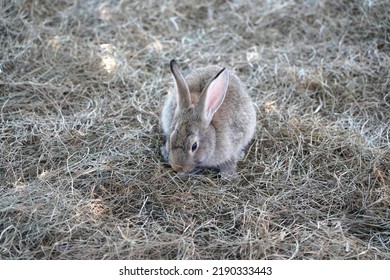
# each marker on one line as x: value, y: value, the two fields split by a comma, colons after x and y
x: 194, y: 146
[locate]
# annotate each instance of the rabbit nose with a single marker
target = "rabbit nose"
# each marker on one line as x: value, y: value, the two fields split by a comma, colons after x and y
x: 177, y: 167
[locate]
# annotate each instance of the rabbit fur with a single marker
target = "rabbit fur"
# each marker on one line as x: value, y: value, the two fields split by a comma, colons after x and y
x: 207, y: 121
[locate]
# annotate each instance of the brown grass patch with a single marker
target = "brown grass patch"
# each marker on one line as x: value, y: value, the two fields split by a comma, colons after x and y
x: 81, y: 88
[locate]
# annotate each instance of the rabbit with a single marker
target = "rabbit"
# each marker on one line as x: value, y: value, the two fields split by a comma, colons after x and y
x: 208, y: 120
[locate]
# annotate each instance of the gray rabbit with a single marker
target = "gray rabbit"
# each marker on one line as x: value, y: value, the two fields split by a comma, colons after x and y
x: 207, y: 121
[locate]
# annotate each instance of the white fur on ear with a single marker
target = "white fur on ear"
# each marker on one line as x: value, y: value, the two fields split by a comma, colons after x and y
x: 213, y: 96
x: 182, y: 92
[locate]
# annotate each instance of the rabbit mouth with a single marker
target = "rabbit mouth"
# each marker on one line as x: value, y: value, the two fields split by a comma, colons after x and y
x: 186, y: 168
x: 182, y: 168
x: 179, y: 168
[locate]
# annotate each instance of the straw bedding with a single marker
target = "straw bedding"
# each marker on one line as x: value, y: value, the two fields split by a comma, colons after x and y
x: 82, y: 84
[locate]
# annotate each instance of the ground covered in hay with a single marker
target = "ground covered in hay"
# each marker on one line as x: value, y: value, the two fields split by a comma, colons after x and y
x: 82, y: 84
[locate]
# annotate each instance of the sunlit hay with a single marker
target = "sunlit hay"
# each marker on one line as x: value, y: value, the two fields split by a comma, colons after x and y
x: 81, y: 88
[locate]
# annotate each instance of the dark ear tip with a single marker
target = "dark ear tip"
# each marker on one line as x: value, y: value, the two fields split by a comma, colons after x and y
x: 172, y: 63
x: 219, y: 73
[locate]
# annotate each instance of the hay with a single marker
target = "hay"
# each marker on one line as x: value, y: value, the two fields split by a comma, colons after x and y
x: 81, y: 88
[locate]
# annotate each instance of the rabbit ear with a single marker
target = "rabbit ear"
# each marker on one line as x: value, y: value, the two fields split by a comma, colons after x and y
x: 182, y: 92
x: 213, y: 95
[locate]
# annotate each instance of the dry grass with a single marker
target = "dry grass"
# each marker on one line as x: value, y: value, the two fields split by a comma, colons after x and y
x: 81, y: 88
